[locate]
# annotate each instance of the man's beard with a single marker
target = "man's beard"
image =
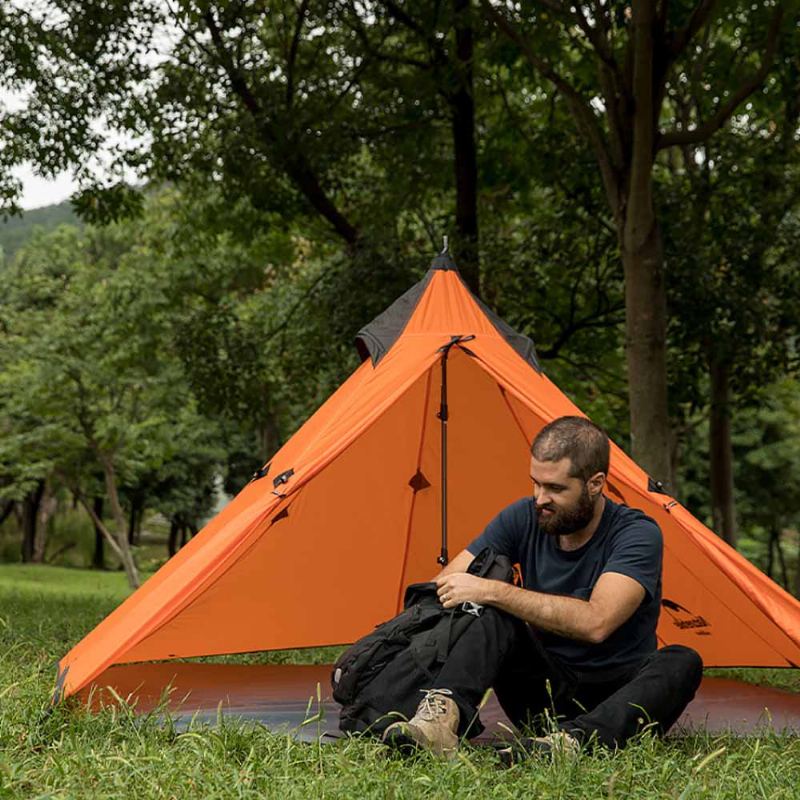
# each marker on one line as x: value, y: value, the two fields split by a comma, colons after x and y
x: 567, y: 520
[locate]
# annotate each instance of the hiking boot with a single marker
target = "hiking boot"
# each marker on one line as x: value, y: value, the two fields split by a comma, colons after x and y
x: 433, y: 726
x: 558, y: 743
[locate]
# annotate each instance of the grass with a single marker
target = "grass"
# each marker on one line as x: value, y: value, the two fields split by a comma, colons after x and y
x: 70, y: 754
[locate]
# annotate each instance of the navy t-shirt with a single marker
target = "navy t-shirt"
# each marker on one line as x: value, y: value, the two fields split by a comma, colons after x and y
x: 626, y: 541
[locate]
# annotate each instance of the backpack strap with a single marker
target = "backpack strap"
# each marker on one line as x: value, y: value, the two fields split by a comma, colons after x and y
x: 444, y: 638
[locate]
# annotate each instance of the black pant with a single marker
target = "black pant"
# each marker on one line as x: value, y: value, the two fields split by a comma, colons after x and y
x: 604, y: 706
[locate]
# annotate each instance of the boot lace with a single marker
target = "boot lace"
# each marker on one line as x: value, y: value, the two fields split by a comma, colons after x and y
x: 433, y: 705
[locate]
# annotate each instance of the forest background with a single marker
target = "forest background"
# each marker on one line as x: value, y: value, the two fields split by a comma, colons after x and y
x: 620, y: 181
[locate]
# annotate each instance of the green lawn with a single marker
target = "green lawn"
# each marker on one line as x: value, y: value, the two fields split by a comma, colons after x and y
x: 69, y: 754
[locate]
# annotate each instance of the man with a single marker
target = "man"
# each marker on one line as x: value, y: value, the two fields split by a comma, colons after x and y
x: 572, y: 651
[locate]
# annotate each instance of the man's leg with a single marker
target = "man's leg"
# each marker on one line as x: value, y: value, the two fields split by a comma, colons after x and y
x: 475, y: 661
x: 449, y: 708
x: 657, y: 694
x: 532, y: 687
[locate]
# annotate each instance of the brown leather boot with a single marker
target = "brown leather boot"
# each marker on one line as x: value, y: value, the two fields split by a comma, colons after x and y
x: 433, y: 726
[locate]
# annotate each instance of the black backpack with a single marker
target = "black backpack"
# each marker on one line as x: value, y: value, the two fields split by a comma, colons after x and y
x: 385, y: 670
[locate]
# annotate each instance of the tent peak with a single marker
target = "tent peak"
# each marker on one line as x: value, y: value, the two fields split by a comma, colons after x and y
x: 444, y: 261
x: 374, y: 340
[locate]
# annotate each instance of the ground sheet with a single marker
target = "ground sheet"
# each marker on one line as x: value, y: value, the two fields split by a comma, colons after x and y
x: 296, y: 699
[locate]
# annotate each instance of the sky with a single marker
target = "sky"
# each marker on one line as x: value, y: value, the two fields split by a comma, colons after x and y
x: 38, y: 192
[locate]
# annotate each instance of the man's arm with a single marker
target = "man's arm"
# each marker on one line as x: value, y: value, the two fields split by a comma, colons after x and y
x: 458, y: 564
x: 614, y: 599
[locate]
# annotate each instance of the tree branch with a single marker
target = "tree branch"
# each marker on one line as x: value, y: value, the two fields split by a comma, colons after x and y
x: 681, y: 37
x: 375, y: 50
x: 292, y: 55
x: 581, y: 110
x: 597, y: 37
x: 411, y: 24
x: 295, y: 164
x: 704, y: 130
x: 98, y: 523
x: 434, y: 45
x: 612, y: 82
x: 592, y: 322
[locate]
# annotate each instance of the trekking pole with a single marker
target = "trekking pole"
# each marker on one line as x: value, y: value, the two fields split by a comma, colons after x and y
x: 443, y: 417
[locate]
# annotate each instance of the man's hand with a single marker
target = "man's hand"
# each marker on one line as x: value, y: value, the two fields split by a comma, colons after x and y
x: 459, y: 587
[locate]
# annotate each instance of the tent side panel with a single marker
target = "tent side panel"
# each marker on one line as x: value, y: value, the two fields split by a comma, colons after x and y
x: 327, y: 571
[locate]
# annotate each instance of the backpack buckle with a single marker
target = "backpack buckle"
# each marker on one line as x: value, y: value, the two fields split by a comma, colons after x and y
x: 476, y: 609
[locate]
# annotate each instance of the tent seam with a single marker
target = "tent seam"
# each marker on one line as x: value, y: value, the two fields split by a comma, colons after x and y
x: 414, y: 495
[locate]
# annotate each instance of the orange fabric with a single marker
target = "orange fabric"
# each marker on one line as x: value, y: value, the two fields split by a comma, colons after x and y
x: 324, y: 557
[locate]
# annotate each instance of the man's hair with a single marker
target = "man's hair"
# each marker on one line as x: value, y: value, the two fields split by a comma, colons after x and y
x: 576, y: 438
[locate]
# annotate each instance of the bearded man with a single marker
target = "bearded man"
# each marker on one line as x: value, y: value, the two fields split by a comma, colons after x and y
x: 572, y: 653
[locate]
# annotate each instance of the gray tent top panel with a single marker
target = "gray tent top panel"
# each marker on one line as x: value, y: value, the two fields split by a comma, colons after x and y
x: 375, y: 340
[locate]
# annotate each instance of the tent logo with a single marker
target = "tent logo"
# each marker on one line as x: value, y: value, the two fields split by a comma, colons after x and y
x: 683, y: 619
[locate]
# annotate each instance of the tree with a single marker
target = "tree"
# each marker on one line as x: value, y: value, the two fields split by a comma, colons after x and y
x: 735, y: 291
x: 619, y: 68
x: 90, y: 380
x: 767, y: 470
x: 421, y: 61
x: 64, y: 65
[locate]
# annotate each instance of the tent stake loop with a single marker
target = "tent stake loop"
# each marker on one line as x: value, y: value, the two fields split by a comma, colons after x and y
x: 444, y: 415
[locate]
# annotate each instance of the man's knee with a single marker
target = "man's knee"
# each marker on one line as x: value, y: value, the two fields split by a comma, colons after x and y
x: 679, y: 660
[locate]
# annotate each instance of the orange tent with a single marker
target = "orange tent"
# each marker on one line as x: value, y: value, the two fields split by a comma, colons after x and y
x: 317, y: 548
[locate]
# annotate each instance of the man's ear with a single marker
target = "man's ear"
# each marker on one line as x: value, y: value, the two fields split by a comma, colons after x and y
x: 596, y: 483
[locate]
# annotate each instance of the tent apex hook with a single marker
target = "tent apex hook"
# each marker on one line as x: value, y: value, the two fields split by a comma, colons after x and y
x: 444, y: 248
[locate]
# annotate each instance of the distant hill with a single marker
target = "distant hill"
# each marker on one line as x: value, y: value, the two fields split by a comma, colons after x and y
x: 17, y: 230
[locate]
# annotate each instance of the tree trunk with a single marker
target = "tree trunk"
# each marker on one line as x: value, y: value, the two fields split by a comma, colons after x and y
x: 172, y: 542
x: 643, y: 263
x: 269, y: 438
x: 6, y: 510
x: 781, y: 559
x: 135, y: 519
x: 47, y: 507
x: 30, y: 516
x: 120, y: 533
x: 132, y: 522
x: 462, y: 106
x: 723, y: 507
x: 99, y: 557
x: 645, y: 344
x: 797, y: 574
x: 770, y: 552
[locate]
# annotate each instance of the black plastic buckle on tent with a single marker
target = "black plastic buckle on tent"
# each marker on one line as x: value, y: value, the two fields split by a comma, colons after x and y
x: 279, y: 480
x: 260, y: 473
x: 657, y: 487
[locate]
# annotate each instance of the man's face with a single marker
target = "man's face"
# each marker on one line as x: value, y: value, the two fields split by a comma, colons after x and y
x: 564, y: 504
